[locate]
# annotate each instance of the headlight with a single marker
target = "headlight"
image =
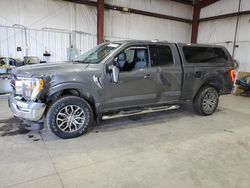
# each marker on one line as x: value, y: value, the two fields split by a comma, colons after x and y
x: 28, y: 87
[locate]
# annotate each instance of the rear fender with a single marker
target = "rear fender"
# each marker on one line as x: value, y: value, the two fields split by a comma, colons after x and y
x: 215, y: 80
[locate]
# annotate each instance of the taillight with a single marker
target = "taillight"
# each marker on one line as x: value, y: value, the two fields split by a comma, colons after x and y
x: 232, y: 75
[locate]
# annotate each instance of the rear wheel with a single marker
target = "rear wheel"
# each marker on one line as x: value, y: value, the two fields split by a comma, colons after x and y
x: 69, y: 117
x: 206, y: 101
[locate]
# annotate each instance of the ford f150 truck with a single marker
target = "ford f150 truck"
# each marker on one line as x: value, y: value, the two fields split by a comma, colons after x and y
x: 119, y: 78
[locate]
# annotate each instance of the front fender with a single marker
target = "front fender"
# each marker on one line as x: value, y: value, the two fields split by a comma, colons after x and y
x: 87, y: 91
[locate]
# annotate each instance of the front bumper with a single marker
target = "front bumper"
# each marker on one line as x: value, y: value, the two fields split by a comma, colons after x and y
x: 30, y: 111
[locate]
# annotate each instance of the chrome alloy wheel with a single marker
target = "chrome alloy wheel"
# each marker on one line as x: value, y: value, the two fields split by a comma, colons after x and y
x: 70, y: 118
x: 209, y: 102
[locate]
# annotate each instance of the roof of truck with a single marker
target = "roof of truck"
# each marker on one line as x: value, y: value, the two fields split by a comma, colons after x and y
x: 162, y: 42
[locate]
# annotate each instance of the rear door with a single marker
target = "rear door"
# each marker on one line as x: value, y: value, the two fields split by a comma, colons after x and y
x: 166, y: 59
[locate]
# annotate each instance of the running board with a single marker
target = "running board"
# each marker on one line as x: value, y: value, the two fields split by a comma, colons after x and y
x: 138, y: 112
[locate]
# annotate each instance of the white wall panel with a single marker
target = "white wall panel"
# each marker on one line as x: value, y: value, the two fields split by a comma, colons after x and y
x: 120, y: 25
x: 39, y: 41
x: 244, y: 28
x: 142, y: 27
x: 222, y: 30
x: 220, y: 7
x: 132, y: 26
x: 50, y: 22
x: 10, y: 12
x: 40, y: 14
x: 36, y: 13
x: 217, y: 31
x: 242, y: 54
x: 86, y: 19
x: 116, y: 24
x: 245, y: 5
x: 243, y: 41
x: 10, y: 38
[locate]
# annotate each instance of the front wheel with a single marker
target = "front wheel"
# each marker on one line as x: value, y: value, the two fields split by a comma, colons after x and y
x: 206, y: 101
x: 69, y: 117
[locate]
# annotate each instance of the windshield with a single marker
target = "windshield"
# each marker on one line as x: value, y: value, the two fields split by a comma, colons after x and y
x: 97, y: 54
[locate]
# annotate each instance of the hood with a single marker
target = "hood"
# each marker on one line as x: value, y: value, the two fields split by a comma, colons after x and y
x: 48, y: 69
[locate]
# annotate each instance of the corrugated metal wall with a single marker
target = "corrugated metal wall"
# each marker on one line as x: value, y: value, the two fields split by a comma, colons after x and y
x: 121, y: 25
x: 66, y: 17
x: 45, y: 25
x: 222, y: 31
x: 35, y: 42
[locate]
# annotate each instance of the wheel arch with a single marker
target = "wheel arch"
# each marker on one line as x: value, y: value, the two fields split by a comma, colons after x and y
x: 75, y: 90
x: 215, y: 82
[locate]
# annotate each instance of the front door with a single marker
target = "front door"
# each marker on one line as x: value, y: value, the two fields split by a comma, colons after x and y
x: 137, y: 80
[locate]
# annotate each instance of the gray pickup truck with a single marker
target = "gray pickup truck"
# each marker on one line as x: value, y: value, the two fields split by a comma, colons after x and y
x: 121, y: 78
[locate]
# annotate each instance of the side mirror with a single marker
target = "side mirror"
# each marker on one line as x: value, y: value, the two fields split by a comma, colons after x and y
x: 115, y: 73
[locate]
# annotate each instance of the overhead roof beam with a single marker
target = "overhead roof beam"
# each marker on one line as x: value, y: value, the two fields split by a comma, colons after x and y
x: 85, y: 2
x: 205, y: 3
x: 187, y: 2
x: 131, y: 10
x: 234, y: 14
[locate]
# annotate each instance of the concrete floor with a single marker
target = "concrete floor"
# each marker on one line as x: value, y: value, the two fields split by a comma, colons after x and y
x: 167, y: 149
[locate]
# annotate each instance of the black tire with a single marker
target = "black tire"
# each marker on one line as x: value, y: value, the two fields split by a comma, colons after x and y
x: 64, y: 104
x: 206, y: 101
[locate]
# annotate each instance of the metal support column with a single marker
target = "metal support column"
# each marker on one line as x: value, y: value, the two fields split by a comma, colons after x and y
x: 196, y: 17
x: 195, y: 23
x: 100, y: 21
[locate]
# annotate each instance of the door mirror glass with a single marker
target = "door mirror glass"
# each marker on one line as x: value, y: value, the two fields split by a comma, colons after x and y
x: 114, y: 73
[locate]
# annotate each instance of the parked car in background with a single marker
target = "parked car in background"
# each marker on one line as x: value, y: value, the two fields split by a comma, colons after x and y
x: 6, y: 65
x: 121, y: 78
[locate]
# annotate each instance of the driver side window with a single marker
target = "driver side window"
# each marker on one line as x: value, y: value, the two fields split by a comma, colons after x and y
x: 132, y: 58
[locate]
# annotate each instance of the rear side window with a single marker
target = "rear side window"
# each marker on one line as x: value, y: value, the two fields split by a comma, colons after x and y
x: 165, y: 55
x: 161, y: 55
x: 195, y: 54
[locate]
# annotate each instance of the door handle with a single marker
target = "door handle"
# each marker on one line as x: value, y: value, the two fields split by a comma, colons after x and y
x: 147, y: 76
